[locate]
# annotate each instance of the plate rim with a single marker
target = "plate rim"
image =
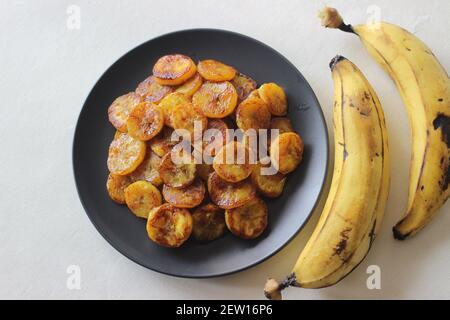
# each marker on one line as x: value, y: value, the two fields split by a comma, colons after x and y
x: 210, y: 275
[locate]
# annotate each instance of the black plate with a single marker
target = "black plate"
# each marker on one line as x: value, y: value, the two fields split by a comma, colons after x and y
x: 228, y: 254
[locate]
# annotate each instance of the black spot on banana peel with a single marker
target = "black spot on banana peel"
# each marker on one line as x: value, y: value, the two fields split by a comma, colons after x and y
x: 442, y: 122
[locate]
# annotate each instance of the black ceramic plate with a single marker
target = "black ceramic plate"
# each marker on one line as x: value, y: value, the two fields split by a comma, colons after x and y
x: 228, y: 254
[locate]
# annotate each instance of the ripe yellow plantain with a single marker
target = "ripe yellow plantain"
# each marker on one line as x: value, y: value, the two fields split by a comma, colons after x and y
x: 425, y: 89
x: 355, y: 206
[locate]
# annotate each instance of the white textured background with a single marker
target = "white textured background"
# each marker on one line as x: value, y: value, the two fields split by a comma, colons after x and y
x: 46, y: 72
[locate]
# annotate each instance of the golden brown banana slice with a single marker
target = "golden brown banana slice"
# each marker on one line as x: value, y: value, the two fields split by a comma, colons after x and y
x: 115, y: 185
x: 232, y: 162
x: 141, y: 197
x: 186, y: 117
x: 170, y: 103
x: 186, y: 197
x: 249, y: 220
x: 274, y: 96
x: 254, y: 94
x: 191, y: 86
x: 162, y: 144
x: 148, y: 170
x: 252, y: 113
x: 216, y: 71
x: 169, y: 226
x: 209, y: 222
x: 215, y: 99
x: 204, y: 170
x: 244, y: 85
x: 119, y: 110
x: 152, y: 91
x: 269, y: 185
x: 177, y: 171
x: 145, y: 121
x: 286, y: 152
x: 229, y: 195
x: 214, y: 137
x: 282, y: 124
x: 173, y: 69
x: 125, y: 154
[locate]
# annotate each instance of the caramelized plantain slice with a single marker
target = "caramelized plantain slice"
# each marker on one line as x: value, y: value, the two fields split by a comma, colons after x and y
x: 141, y: 197
x: 209, y: 222
x: 282, y: 124
x: 274, y: 96
x: 186, y: 197
x: 244, y: 85
x: 191, y: 86
x: 270, y: 185
x: 125, y: 154
x: 186, y: 117
x: 152, y: 91
x: 232, y: 162
x: 179, y: 173
x: 229, y: 195
x: 216, y: 71
x: 170, y: 103
x: 145, y: 121
x: 286, y: 152
x: 252, y: 113
x: 247, y: 221
x: 115, y: 185
x: 215, y: 136
x: 169, y: 226
x: 173, y: 69
x: 215, y: 99
x: 148, y: 170
x: 119, y: 110
x: 162, y: 144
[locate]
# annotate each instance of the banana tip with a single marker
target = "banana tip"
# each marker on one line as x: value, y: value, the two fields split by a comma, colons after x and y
x: 335, y: 60
x: 330, y: 18
x: 399, y: 235
x: 272, y: 290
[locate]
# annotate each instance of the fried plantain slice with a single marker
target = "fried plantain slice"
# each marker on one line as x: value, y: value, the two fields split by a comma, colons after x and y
x: 169, y: 226
x: 286, y: 152
x: 215, y: 99
x: 186, y: 197
x: 270, y: 185
x: 274, y: 96
x: 216, y: 71
x: 191, y: 86
x: 232, y: 162
x: 125, y: 154
x: 148, y: 170
x: 249, y: 220
x: 152, y: 91
x: 179, y: 173
x: 173, y: 69
x: 229, y: 195
x: 170, y: 103
x: 119, y: 110
x: 204, y: 170
x: 186, y: 117
x: 244, y: 85
x: 209, y: 222
x: 215, y: 136
x: 283, y: 124
x: 115, y: 185
x: 252, y: 113
x: 141, y: 197
x: 145, y: 121
x: 254, y: 94
x: 162, y: 144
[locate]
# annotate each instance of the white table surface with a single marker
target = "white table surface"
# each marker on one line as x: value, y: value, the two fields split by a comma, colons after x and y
x: 46, y: 73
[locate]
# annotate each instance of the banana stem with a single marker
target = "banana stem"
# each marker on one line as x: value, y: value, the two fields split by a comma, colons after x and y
x: 272, y: 289
x: 330, y: 18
